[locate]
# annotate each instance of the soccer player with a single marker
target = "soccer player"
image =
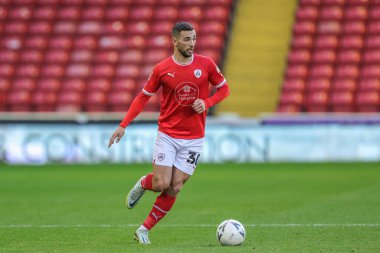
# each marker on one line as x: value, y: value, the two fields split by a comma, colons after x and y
x: 184, y: 79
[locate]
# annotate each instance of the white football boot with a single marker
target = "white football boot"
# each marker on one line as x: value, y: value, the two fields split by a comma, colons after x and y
x: 135, y: 194
x: 142, y: 236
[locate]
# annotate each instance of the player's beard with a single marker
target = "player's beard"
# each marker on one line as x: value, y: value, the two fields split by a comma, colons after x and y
x: 186, y: 53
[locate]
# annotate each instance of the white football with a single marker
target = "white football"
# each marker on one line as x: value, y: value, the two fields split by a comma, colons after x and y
x: 230, y: 233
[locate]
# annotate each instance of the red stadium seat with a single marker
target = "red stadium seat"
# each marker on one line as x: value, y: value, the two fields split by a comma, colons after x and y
x: 108, y: 56
x: 307, y: 13
x: 130, y: 71
x: 288, y: 108
x: 95, y: 101
x: 134, y: 42
x: 131, y: 56
x: 89, y: 27
x: 374, y: 13
x: 302, y: 42
x: 65, y: 27
x: 347, y: 71
x: 75, y: 85
x: 191, y: 14
x: 40, y: 27
x: 212, y: 53
x: 77, y: 70
x: 317, y: 101
x: 114, y: 28
x: 293, y: 85
x: 332, y: 2
x: 20, y: 12
x: 44, y: 101
x: 324, y: 57
x: 125, y: 85
x: 329, y: 27
x: 372, y: 56
x: 342, y: 101
x: 321, y: 71
x: 374, y: 27
x: 295, y: 98
x: 331, y: 13
x: 161, y: 27
x: 344, y: 84
x: 52, y: 71
x: 326, y: 42
x: 349, y: 57
x: 356, y: 13
x: 141, y: 13
x: 218, y: 13
x: 102, y: 71
x: 19, y: 100
x: 309, y: 2
x: 48, y: 84
x: 27, y: 84
x: 370, y: 71
x: 31, y: 56
x: 110, y: 42
x: 4, y: 85
x: 372, y: 41
x: 296, y: 71
x: 213, y: 28
x: 69, y: 101
x: 318, y: 84
x: 6, y: 70
x: 36, y: 42
x: 93, y: 13
x: 369, y: 84
x: 299, y: 56
x: 138, y: 28
x: 119, y: 101
x: 68, y: 13
x: 304, y: 28
x: 210, y: 41
x: 61, y: 42
x: 27, y: 70
x: 368, y: 101
x: 8, y: 56
x: 15, y: 27
x: 155, y: 56
x: 56, y: 56
x: 81, y: 55
x: 351, y: 42
x: 167, y: 13
x: 354, y: 27
x: 85, y: 42
x: 117, y: 13
x: 103, y: 85
x: 46, y: 12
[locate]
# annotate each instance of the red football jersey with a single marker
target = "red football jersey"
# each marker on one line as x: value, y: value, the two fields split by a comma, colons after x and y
x: 181, y: 85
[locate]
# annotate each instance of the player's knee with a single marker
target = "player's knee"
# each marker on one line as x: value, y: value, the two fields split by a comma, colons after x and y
x: 160, y: 185
x: 176, y: 188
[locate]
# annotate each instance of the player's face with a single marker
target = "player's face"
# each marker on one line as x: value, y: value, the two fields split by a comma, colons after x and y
x: 186, y: 43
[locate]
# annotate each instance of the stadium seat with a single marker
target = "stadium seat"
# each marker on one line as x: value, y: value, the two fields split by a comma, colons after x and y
x: 294, y: 98
x: 317, y: 101
x: 102, y: 85
x: 321, y: 71
x: 369, y: 84
x: 302, y: 42
x: 368, y: 101
x: 19, y: 100
x: 70, y: 101
x: 351, y: 42
x: 354, y: 27
x: 326, y: 42
x: 329, y: 27
x: 119, y: 101
x: 48, y: 84
x: 297, y: 71
x: 371, y: 56
x: 307, y: 12
x: 356, y: 13
x: 349, y: 57
x: 26, y: 84
x: 131, y: 56
x: 318, y: 84
x: 330, y: 13
x: 95, y: 101
x: 124, y: 85
x: 299, y: 57
x: 293, y: 85
x: 323, y: 57
x: 372, y: 41
x: 342, y: 101
x: 344, y: 84
x: 304, y: 28
x: 73, y: 85
x: 44, y: 101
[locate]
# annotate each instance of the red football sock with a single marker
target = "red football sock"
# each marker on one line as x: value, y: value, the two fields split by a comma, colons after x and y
x: 147, y: 182
x: 161, y: 207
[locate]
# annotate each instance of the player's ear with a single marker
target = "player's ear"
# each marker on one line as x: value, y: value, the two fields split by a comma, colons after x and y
x: 175, y: 41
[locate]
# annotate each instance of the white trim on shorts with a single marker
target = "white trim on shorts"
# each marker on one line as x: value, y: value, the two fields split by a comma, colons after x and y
x: 180, y: 153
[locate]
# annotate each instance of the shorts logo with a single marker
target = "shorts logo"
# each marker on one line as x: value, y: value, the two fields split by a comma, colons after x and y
x: 161, y: 156
x: 197, y: 73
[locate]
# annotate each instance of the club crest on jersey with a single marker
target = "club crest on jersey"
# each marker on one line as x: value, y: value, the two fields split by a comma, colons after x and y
x: 197, y: 73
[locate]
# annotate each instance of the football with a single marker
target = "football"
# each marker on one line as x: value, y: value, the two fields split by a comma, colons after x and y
x: 230, y: 233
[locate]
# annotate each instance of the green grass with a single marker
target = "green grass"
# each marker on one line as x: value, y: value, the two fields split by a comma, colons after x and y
x: 80, y: 208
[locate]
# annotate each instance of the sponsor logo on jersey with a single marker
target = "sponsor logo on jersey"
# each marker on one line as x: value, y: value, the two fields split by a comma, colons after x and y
x: 170, y: 74
x: 186, y: 93
x: 197, y: 73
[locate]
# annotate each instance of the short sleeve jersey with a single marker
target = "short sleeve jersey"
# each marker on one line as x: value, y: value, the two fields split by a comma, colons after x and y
x: 181, y: 85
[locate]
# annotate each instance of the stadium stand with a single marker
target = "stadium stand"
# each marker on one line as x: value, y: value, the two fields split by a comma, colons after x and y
x: 95, y: 55
x: 334, y: 58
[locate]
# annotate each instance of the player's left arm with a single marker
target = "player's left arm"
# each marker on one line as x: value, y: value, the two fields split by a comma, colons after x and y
x: 222, y: 90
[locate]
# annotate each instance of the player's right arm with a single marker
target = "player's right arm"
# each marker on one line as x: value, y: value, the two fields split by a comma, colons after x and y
x: 136, y: 107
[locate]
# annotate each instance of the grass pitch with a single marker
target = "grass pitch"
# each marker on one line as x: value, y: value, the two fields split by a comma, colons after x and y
x: 319, y: 207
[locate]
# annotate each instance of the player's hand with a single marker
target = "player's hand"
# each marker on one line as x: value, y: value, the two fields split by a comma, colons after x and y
x: 199, y: 105
x: 118, y: 134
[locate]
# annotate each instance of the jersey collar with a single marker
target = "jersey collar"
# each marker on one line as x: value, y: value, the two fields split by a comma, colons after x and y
x: 183, y: 64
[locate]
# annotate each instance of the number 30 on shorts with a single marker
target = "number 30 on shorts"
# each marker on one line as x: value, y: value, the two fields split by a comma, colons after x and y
x: 193, y: 157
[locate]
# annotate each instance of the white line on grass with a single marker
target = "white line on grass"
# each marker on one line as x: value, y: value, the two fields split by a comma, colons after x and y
x: 183, y: 225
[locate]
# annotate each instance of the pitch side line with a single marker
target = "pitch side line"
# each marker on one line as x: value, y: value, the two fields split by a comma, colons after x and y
x: 183, y: 225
